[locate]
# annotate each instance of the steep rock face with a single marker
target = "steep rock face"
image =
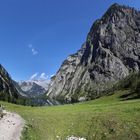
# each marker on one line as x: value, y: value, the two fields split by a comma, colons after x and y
x: 8, y: 91
x: 61, y: 81
x: 110, y: 53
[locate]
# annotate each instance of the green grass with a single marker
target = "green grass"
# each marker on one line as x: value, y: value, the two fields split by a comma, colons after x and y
x: 106, y: 118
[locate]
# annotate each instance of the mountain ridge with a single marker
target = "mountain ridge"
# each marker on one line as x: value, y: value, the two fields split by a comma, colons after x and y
x: 8, y: 92
x: 111, y: 52
x: 34, y: 87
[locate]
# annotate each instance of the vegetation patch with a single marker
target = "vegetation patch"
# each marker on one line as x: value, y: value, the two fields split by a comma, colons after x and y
x: 105, y: 118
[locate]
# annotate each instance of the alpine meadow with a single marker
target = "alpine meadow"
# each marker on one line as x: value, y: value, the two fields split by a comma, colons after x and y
x: 95, y: 93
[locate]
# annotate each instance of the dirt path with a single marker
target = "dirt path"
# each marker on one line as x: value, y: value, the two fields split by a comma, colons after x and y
x: 11, y: 126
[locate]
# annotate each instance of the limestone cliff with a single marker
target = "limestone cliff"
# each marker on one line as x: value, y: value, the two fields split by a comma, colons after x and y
x: 110, y: 53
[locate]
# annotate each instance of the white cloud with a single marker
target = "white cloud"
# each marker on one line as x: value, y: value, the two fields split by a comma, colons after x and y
x: 44, y: 76
x: 33, y: 76
x: 33, y: 50
x: 52, y: 75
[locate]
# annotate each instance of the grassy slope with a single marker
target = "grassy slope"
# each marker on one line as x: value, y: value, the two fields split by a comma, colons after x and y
x: 105, y: 118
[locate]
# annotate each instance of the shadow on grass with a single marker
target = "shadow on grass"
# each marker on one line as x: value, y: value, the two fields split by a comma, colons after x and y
x: 130, y: 96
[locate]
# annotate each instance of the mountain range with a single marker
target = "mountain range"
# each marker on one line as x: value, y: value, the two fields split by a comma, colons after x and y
x: 110, y: 53
x: 34, y: 87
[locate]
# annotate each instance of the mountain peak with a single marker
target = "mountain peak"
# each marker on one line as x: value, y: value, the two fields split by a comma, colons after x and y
x: 115, y: 5
x: 118, y: 6
x: 110, y: 53
x: 34, y: 87
x: 118, y: 11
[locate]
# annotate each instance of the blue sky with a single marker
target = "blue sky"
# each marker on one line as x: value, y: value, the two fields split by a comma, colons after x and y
x: 37, y: 35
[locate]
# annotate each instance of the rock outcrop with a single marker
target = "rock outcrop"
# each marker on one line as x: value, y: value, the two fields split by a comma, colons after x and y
x: 110, y: 53
x: 8, y: 92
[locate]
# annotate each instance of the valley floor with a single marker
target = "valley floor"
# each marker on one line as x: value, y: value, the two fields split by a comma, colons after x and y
x: 106, y: 118
x: 11, y: 126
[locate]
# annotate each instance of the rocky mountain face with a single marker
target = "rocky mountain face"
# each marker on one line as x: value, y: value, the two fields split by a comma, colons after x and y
x: 20, y: 91
x: 8, y: 92
x: 110, y: 53
x: 34, y: 88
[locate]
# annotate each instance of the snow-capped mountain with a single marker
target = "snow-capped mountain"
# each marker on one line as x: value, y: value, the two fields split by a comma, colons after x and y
x: 34, y: 87
x: 42, y: 82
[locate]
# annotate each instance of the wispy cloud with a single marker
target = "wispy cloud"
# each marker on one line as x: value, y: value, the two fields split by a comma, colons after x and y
x: 33, y: 50
x: 34, y: 76
x: 44, y: 76
x: 52, y: 75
